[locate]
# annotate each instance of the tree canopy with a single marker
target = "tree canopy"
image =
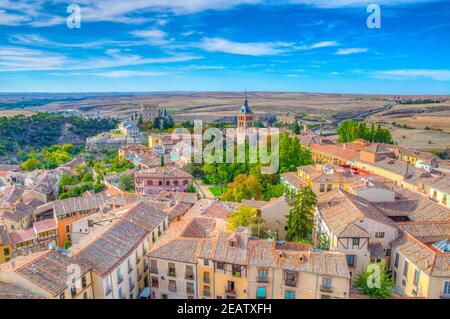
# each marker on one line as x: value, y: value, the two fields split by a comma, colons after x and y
x: 350, y: 130
x: 376, y: 281
x: 300, y: 221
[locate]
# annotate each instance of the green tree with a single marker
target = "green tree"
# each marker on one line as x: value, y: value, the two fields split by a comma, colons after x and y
x: 296, y: 128
x: 31, y: 164
x: 191, y: 188
x: 243, y: 187
x: 376, y: 281
x: 300, y: 221
x: 323, y: 242
x: 247, y: 216
x: 126, y: 182
x: 87, y: 177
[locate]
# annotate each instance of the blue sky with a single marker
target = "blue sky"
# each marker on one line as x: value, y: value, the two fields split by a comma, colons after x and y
x: 225, y: 45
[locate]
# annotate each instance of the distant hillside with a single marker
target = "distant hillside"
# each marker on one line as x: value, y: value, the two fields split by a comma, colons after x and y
x: 29, y: 133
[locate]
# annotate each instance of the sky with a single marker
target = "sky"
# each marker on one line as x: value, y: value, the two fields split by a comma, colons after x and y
x: 225, y: 45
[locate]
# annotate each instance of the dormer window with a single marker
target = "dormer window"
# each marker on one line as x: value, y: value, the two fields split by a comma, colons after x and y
x: 232, y: 243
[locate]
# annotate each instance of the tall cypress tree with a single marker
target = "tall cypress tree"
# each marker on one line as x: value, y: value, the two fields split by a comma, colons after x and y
x: 300, y: 221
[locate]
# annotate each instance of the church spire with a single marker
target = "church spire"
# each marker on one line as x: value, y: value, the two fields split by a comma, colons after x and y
x: 245, y: 108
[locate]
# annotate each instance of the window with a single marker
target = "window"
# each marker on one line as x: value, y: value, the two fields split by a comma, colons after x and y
x: 405, y: 269
x: 379, y: 235
x: 121, y: 295
x: 119, y: 277
x: 67, y: 228
x: 289, y: 294
x: 62, y: 296
x: 154, y: 266
x: 83, y: 281
x: 130, y: 283
x: 205, y: 262
x: 351, y: 260
x: 262, y: 275
x: 261, y: 293
x: 397, y: 256
x: 355, y: 241
x: 190, y: 288
x: 446, y: 291
x: 172, y: 286
x: 322, y: 188
x: 137, y: 257
x: 130, y: 266
x: 329, y: 187
x: 290, y: 278
x: 189, y: 273
x: 326, y: 282
x: 85, y: 295
x: 144, y: 251
x: 230, y: 286
x: 206, y: 278
x: 155, y: 282
x: 206, y: 291
x: 221, y: 266
x: 416, y: 277
x: 171, y: 271
x: 388, y: 252
x: 237, y: 270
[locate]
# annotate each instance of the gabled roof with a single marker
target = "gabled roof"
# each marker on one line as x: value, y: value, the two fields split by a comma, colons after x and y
x: 9, y: 291
x: 340, y: 209
x: 117, y: 241
x: 353, y: 231
x: 428, y: 259
x: 48, y: 270
x: 296, y: 257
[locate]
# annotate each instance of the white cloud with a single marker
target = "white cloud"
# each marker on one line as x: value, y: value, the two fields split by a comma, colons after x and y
x: 257, y: 48
x: 317, y: 45
x: 152, y: 37
x: 13, y: 58
x: 405, y: 74
x: 351, y: 51
x: 12, y: 19
x: 36, y: 13
x: 127, y: 73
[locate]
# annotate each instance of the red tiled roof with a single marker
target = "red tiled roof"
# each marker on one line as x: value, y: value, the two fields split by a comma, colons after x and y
x: 336, y: 151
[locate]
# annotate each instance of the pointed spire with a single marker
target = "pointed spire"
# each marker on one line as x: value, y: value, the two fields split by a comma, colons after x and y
x: 245, y: 108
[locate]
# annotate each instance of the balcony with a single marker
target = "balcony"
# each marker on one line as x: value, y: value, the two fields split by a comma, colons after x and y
x: 230, y: 290
x: 190, y: 291
x: 130, y: 269
x: 173, y: 288
x: 119, y: 280
x: 237, y: 273
x: 290, y: 282
x: 262, y: 280
x: 171, y: 273
x: 138, y: 260
x: 153, y: 270
x: 108, y: 291
x: 326, y: 289
x: 139, y: 276
x: 189, y: 276
x: 132, y: 286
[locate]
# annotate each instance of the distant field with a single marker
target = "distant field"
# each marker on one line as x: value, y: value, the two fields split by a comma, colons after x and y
x: 216, y: 105
x: 427, y: 125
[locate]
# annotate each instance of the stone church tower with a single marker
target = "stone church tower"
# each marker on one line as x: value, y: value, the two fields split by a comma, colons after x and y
x: 245, y: 116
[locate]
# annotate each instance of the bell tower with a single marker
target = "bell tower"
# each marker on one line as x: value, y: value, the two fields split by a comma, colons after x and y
x: 245, y: 116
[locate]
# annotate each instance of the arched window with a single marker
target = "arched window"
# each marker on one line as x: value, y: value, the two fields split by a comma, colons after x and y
x: 167, y: 183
